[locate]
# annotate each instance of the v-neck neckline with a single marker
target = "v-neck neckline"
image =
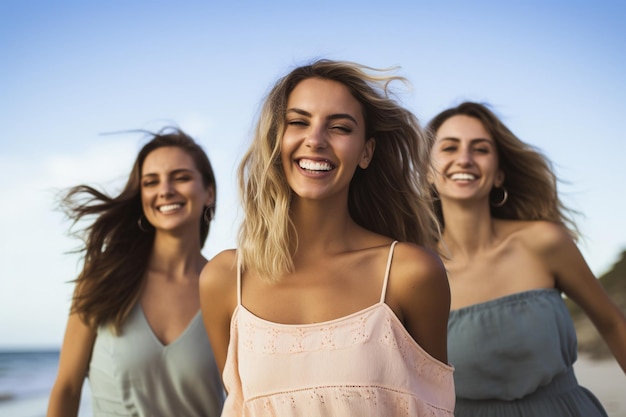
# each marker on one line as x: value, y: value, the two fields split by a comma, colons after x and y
x: 155, y: 337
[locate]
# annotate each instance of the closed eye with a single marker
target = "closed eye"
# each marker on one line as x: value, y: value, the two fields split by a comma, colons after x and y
x: 297, y: 123
x: 482, y: 149
x: 342, y: 129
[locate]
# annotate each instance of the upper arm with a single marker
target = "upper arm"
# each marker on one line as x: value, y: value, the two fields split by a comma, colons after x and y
x: 418, y: 286
x: 573, y: 276
x: 73, y: 366
x: 571, y: 273
x: 218, y: 299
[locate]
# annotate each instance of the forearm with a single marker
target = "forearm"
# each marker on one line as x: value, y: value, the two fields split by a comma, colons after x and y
x: 63, y: 402
x: 616, y: 340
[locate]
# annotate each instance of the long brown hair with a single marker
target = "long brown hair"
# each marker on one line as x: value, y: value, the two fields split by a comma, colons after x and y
x: 116, y: 251
x: 529, y: 177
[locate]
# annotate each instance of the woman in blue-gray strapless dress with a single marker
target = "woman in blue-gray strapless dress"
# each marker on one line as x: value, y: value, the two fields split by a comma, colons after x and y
x: 135, y: 327
x: 509, y: 248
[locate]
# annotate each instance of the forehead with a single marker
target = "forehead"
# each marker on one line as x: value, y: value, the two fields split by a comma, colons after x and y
x: 463, y: 127
x: 167, y: 158
x: 317, y: 95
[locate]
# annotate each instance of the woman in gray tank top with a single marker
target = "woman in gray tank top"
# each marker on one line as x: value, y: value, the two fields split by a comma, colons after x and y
x: 134, y: 328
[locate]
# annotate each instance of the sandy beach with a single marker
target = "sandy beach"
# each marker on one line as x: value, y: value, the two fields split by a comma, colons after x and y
x: 606, y: 380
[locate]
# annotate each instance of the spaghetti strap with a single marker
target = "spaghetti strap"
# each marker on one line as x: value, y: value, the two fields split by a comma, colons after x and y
x: 384, y: 291
x: 238, y: 279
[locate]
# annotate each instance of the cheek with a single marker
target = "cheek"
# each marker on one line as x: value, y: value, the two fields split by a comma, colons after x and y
x: 286, y: 148
x: 147, y: 196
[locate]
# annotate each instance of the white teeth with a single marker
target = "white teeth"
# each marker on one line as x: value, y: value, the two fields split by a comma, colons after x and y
x: 169, y: 207
x: 314, y: 165
x: 462, y: 176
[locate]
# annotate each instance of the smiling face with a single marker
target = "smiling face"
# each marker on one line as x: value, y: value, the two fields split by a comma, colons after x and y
x: 173, y: 194
x: 324, y: 139
x: 465, y: 159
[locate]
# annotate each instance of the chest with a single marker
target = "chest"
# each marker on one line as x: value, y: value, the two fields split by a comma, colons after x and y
x: 317, y: 292
x: 508, y: 270
x: 169, y: 308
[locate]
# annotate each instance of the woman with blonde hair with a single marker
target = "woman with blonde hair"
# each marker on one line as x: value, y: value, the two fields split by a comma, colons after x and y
x: 508, y: 244
x: 134, y: 328
x: 320, y: 310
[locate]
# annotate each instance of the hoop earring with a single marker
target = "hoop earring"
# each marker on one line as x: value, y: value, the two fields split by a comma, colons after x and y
x: 141, y: 225
x: 209, y: 213
x: 505, y: 196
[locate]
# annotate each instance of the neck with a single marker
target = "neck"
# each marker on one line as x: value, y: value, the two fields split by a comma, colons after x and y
x: 469, y: 229
x: 322, y: 227
x: 177, y: 256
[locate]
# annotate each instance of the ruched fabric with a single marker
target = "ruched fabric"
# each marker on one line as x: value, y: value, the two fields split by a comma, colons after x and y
x: 514, y: 356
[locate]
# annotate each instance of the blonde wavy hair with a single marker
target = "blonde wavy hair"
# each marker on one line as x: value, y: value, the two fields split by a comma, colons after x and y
x: 391, y: 197
x: 529, y: 176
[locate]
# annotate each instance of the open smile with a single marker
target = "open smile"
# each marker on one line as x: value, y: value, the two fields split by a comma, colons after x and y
x: 462, y: 176
x: 168, y: 208
x: 311, y: 165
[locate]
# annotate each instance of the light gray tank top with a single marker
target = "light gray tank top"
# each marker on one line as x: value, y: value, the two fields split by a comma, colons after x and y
x: 134, y: 374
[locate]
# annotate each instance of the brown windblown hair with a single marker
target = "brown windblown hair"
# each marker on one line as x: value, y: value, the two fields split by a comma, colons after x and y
x: 390, y: 197
x: 115, y: 251
x: 529, y: 176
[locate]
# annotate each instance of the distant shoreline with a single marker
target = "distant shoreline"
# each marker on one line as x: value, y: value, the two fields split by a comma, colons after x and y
x: 14, y: 349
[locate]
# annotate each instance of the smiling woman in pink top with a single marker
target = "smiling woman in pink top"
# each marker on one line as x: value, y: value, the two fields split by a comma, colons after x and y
x: 332, y: 305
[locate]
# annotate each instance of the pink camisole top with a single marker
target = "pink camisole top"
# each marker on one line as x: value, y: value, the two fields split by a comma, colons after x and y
x: 364, y: 364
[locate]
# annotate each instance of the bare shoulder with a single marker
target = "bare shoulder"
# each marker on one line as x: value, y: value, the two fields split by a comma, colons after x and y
x: 419, y: 294
x: 413, y: 264
x: 543, y: 237
x: 417, y: 274
x: 218, y: 301
x: 219, y: 275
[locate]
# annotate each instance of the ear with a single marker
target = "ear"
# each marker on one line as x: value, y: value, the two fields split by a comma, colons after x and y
x: 210, y: 199
x: 368, y: 153
x: 499, y: 178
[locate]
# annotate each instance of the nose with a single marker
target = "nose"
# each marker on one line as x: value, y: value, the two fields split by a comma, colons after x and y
x: 464, y: 157
x: 165, y: 189
x: 316, y: 137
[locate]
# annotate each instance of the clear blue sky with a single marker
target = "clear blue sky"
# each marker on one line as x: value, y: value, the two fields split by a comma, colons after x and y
x: 555, y: 71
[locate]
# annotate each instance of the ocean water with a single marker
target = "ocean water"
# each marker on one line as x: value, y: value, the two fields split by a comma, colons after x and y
x: 26, y: 378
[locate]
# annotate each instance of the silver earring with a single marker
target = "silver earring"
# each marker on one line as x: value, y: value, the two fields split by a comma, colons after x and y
x: 505, y: 196
x: 209, y: 213
x: 141, y: 225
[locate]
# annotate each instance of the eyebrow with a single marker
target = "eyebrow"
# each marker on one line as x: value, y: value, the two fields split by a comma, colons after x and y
x: 331, y: 117
x: 173, y: 172
x: 472, y: 141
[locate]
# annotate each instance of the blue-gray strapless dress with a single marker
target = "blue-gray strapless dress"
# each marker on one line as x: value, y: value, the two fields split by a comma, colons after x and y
x: 513, y: 357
